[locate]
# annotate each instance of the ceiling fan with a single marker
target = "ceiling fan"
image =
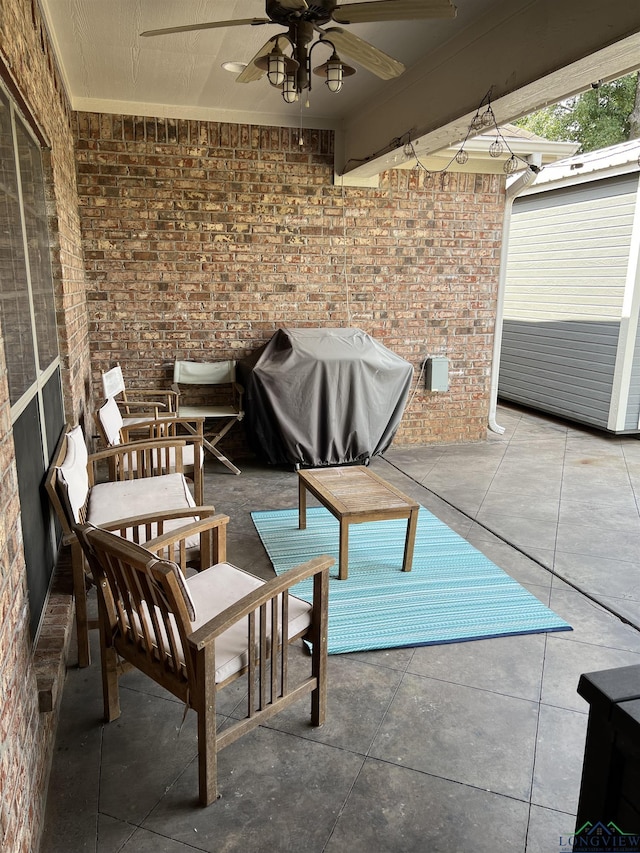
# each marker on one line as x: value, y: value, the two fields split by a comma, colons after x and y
x: 286, y: 57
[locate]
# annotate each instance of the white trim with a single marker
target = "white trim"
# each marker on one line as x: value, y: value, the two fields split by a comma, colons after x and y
x: 628, y: 330
x: 196, y: 113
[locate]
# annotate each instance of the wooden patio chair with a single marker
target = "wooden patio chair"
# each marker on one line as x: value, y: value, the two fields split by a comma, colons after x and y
x: 223, y: 409
x: 114, y: 431
x: 195, y: 635
x: 147, y: 477
x: 138, y: 405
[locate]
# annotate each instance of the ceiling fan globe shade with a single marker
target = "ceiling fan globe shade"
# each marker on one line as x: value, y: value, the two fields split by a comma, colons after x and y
x: 290, y: 89
x: 276, y: 68
x: 334, y: 75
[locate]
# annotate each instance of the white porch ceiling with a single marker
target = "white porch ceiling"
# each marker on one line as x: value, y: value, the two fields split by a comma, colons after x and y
x: 526, y: 52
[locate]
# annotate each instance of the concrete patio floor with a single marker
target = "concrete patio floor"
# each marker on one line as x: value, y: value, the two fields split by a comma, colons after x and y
x: 474, y: 747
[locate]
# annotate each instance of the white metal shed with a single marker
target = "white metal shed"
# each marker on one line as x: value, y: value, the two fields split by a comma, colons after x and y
x: 570, y: 334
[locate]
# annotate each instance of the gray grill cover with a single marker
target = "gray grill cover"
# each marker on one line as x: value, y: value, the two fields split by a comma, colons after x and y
x: 318, y: 397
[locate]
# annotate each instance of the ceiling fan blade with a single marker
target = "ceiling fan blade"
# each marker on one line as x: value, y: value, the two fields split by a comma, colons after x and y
x: 211, y: 25
x: 365, y: 54
x: 252, y: 72
x: 393, y: 10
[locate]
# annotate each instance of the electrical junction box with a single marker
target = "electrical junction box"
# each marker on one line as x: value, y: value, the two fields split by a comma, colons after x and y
x: 437, y: 374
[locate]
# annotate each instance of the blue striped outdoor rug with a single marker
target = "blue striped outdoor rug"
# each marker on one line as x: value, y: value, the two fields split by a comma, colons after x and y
x: 452, y: 593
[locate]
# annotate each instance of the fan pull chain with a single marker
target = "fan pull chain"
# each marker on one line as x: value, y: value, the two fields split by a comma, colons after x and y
x: 300, y: 135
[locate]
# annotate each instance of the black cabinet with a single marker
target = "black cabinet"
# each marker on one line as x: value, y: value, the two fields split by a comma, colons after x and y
x: 609, y: 805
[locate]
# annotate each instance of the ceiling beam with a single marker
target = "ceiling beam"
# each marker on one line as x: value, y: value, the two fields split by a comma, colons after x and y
x: 526, y: 53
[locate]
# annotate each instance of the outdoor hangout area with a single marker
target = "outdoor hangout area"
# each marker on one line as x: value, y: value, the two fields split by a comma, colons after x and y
x: 461, y: 671
x: 298, y: 551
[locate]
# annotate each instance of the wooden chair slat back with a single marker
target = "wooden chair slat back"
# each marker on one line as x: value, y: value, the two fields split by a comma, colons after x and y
x: 143, y: 606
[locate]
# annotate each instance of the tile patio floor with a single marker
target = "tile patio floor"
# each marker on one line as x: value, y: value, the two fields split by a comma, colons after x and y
x: 466, y: 748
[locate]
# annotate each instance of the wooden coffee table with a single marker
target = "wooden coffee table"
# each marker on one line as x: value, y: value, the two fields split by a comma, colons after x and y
x: 355, y: 495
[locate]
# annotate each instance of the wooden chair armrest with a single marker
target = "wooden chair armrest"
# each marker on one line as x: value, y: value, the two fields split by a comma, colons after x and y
x: 155, y: 425
x: 152, y: 392
x: 147, y: 520
x: 196, y: 419
x: 169, y: 545
x: 147, y: 426
x: 141, y: 404
x: 213, y: 540
x: 139, y: 446
x: 207, y: 633
x: 151, y: 519
x: 148, y: 391
x: 148, y: 458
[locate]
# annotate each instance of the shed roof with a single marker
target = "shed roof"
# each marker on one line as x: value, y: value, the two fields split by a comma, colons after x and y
x: 615, y: 160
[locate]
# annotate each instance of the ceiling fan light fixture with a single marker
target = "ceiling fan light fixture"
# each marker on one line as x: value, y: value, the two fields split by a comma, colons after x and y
x: 276, y: 69
x: 305, y: 21
x: 334, y: 71
x: 334, y: 74
x: 290, y: 89
x: 277, y: 65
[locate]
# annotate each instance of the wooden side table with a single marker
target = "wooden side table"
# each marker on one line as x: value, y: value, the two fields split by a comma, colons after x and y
x: 354, y: 495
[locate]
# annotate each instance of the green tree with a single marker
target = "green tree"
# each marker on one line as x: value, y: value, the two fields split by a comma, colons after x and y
x: 604, y: 115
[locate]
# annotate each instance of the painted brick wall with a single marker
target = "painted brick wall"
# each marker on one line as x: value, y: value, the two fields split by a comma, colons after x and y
x: 27, y: 731
x: 200, y: 239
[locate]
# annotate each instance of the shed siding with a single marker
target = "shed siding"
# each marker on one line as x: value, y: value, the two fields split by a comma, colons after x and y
x: 565, y: 368
x: 566, y: 271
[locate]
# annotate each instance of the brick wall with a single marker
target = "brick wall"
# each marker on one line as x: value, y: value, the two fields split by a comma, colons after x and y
x: 27, y: 724
x: 30, y: 63
x: 200, y: 239
x: 18, y: 694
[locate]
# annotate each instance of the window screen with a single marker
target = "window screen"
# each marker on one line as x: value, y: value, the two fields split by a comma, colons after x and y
x: 28, y: 324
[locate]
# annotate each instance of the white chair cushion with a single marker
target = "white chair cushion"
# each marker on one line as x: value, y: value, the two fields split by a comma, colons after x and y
x: 122, y: 499
x: 217, y: 588
x: 111, y: 421
x: 113, y: 382
x: 208, y: 412
x: 74, y: 471
x: 213, y: 591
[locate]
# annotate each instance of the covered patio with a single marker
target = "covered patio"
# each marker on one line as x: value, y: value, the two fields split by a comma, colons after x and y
x: 150, y: 223
x: 468, y: 746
